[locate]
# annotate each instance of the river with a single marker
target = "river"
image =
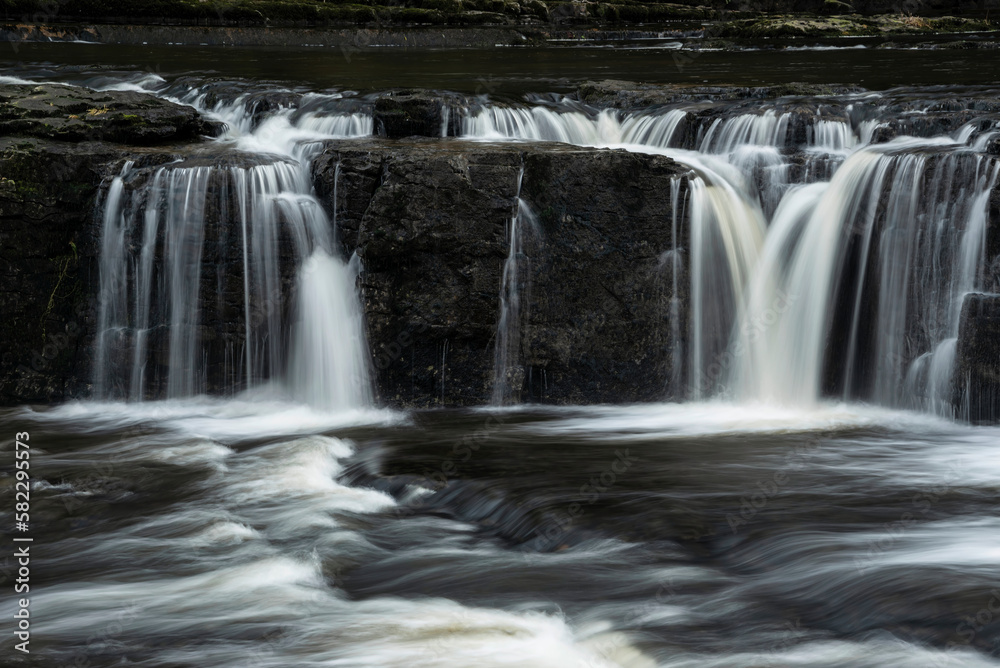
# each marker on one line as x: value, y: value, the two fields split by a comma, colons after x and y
x: 795, y: 507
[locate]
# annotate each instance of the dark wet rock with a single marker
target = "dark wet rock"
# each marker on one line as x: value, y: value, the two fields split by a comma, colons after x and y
x: 632, y: 95
x: 596, y: 280
x: 264, y: 104
x: 430, y: 222
x: 401, y: 114
x: 930, y: 124
x: 885, y: 132
x: 48, y: 257
x: 977, y: 364
x: 68, y: 113
x: 993, y: 146
x: 50, y: 237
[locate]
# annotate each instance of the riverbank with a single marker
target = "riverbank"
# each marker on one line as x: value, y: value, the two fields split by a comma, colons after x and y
x: 475, y: 24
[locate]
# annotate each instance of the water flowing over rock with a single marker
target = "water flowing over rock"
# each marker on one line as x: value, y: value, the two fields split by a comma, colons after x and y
x: 515, y: 285
x: 716, y: 243
x: 286, y: 244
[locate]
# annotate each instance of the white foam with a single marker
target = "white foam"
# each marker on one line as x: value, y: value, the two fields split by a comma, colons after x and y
x: 318, y: 626
x: 304, y: 470
x: 145, y: 84
x: 656, y: 421
x: 17, y: 81
x: 254, y: 416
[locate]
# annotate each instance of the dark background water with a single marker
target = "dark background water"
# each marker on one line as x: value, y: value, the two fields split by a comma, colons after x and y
x: 516, y: 70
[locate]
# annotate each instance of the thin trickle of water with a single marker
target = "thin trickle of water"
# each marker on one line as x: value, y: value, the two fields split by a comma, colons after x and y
x: 674, y: 388
x: 113, y: 303
x: 144, y: 285
x: 445, y: 118
x: 515, y: 282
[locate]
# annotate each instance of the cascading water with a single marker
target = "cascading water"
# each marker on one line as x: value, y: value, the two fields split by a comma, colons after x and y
x: 726, y: 221
x: 182, y: 208
x: 872, y: 248
x: 876, y: 236
x: 113, y: 307
x: 329, y: 357
x: 910, y: 218
x: 727, y: 135
x: 574, y: 127
x: 184, y: 238
x: 514, y: 283
x: 754, y: 143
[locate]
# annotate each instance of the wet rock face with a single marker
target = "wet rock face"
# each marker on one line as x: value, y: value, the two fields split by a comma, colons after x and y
x: 68, y: 113
x: 597, y: 322
x: 428, y: 222
x: 414, y: 114
x: 978, y: 359
x: 48, y: 256
x: 50, y: 177
x: 629, y: 95
x: 431, y: 222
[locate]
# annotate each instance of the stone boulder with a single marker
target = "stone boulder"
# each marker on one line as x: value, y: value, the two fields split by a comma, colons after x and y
x: 69, y: 113
x: 977, y: 363
x: 430, y: 221
x: 401, y: 114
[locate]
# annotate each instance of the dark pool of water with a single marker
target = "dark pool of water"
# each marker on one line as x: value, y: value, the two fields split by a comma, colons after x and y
x: 515, y: 71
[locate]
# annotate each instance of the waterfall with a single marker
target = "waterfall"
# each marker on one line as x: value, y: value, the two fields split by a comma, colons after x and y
x: 184, y: 237
x: 329, y: 365
x: 818, y: 264
x: 574, y: 127
x: 726, y: 221
x: 515, y: 282
x: 158, y: 227
x: 112, y: 307
x: 833, y: 137
x: 865, y: 262
x: 726, y: 135
x: 753, y: 143
x: 727, y: 234
x: 897, y: 236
